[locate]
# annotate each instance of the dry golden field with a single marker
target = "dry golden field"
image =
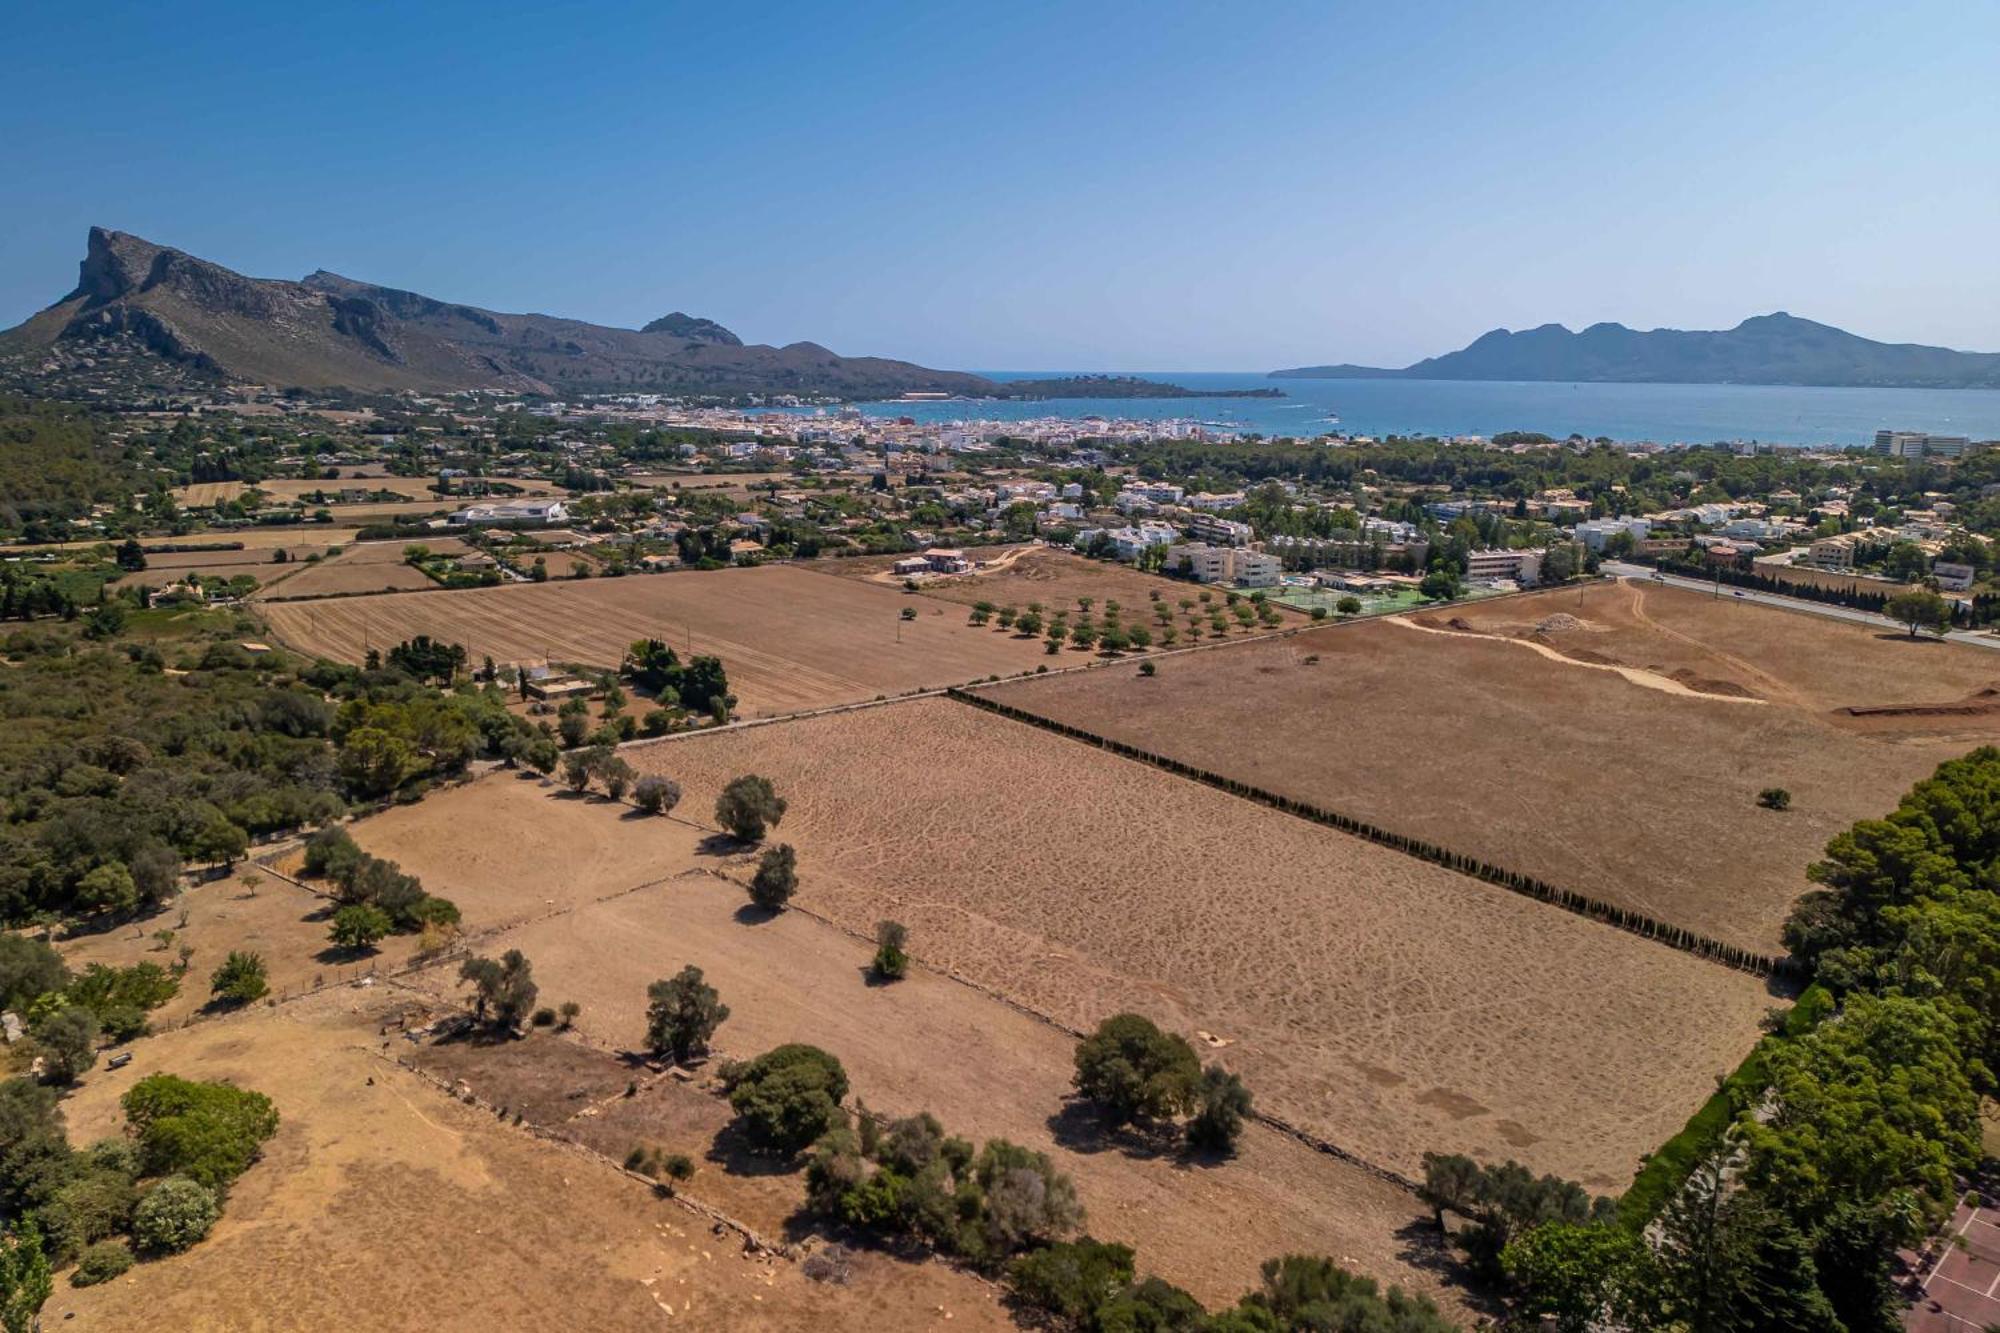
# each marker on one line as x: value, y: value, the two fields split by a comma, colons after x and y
x: 603, y: 902
x: 790, y: 638
x: 1383, y: 1003
x: 1620, y: 756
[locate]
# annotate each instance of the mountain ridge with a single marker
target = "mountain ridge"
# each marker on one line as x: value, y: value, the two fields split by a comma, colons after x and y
x: 1777, y: 348
x: 177, y: 317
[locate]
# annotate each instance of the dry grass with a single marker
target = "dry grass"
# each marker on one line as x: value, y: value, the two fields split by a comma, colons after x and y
x: 1386, y: 1004
x: 383, y: 1203
x: 925, y: 1044
x: 790, y: 638
x: 1639, y: 788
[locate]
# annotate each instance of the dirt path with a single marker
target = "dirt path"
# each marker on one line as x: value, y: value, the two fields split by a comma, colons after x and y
x: 889, y: 578
x: 1651, y: 680
x: 1777, y: 689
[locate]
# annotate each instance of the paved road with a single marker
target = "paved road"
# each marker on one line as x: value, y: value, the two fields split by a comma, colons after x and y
x: 1827, y: 609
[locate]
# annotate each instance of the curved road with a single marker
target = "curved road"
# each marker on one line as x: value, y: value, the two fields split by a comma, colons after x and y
x: 1976, y: 639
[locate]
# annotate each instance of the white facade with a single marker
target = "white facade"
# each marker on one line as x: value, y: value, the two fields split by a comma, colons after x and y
x: 1524, y: 567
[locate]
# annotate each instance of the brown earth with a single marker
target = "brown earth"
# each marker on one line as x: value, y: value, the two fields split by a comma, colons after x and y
x: 1589, y: 757
x: 164, y: 567
x: 929, y: 1043
x: 790, y: 638
x: 1383, y: 1003
x: 384, y: 1203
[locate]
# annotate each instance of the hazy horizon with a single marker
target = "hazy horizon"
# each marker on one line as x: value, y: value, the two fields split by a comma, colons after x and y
x: 1090, y: 188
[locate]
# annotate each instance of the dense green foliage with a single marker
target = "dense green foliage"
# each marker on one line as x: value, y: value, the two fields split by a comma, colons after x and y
x: 122, y: 760
x: 697, y: 685
x: 777, y: 878
x: 55, y: 464
x: 208, y: 1132
x: 787, y: 1097
x: 913, y: 1179
x: 503, y: 989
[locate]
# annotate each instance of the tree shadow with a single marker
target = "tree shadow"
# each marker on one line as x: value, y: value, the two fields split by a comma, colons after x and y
x: 1081, y: 1128
x: 1421, y: 1243
x: 341, y: 955
x: 734, y: 1151
x: 750, y: 914
x: 721, y: 844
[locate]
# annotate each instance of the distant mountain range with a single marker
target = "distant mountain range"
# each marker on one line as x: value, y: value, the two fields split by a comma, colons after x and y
x: 144, y: 316
x: 1765, y: 349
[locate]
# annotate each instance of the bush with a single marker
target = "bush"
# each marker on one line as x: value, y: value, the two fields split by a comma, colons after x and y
x: 28, y: 967
x: 788, y: 1096
x: 544, y: 1018
x: 1218, y: 1120
x: 174, y: 1216
x: 1147, y: 669
x: 892, y: 962
x: 749, y: 806
x: 777, y: 878
x: 332, y: 853
x: 102, y: 1262
x: 1073, y: 1280
x: 239, y: 980
x: 1775, y: 798
x: 1130, y: 1068
x: 207, y: 1132
x: 656, y: 795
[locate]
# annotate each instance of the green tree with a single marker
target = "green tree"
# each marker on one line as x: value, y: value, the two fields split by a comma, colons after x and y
x: 503, y: 989
x: 682, y: 1013
x: 656, y: 795
x: 1072, y: 1281
x: 1578, y: 1275
x: 359, y: 926
x: 68, y: 1042
x: 777, y: 878
x: 748, y: 807
x: 240, y: 979
x: 789, y: 1096
x: 1919, y: 608
x: 1222, y: 1104
x: 1129, y: 1068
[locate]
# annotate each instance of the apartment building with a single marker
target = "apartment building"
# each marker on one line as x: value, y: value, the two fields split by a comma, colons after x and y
x: 1524, y: 567
x: 1224, y: 564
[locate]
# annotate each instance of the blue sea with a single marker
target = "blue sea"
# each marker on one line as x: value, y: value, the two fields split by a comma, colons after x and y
x: 1662, y: 413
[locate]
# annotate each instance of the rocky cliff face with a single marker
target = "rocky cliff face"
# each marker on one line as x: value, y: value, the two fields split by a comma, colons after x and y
x: 187, y: 316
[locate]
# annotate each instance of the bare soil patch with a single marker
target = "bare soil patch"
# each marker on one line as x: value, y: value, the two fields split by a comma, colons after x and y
x: 790, y: 638
x: 1629, y: 772
x: 1383, y: 1003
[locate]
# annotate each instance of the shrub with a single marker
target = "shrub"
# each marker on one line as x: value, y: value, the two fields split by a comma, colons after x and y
x: 28, y: 967
x: 777, y: 878
x: 1071, y: 1281
x: 892, y: 962
x: 1775, y: 798
x: 749, y: 806
x: 332, y: 853
x: 788, y: 1096
x: 240, y: 979
x: 174, y: 1215
x: 682, y: 1014
x: 1130, y: 1068
x: 1218, y: 1119
x: 566, y: 1013
x: 208, y: 1132
x: 544, y: 1018
x: 102, y: 1262
x: 656, y: 795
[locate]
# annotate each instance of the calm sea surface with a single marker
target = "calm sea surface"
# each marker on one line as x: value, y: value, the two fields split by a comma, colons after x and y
x: 1665, y: 413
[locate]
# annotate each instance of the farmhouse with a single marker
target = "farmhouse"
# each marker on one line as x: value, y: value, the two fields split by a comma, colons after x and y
x: 946, y: 560
x: 522, y: 511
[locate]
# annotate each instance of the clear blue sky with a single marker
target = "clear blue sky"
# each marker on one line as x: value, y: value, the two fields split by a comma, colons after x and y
x: 1089, y: 186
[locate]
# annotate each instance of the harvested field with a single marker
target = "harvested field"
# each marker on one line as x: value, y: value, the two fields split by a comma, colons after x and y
x: 1587, y: 754
x: 1017, y: 575
x: 1385, y: 1004
x: 790, y: 638
x: 280, y: 922
x: 454, y: 1219
x: 562, y: 564
x: 164, y: 567
x: 794, y: 978
x: 367, y: 567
